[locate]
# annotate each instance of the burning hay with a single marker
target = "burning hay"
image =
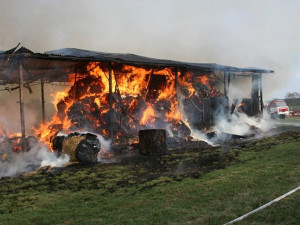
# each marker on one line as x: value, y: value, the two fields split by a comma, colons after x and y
x: 116, y: 98
x: 136, y: 99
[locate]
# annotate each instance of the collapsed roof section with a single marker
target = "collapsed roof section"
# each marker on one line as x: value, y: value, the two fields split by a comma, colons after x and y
x: 55, y: 66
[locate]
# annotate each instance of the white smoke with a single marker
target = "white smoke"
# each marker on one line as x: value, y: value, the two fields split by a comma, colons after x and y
x: 105, y: 146
x: 244, y: 33
x: 241, y: 124
x: 200, y: 136
x: 38, y: 156
x: 195, y: 133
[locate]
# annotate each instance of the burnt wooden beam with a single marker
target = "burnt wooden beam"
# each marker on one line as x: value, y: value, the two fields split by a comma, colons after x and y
x: 147, y: 88
x: 110, y: 98
x: 261, y: 94
x: 43, y: 100
x: 228, y: 81
x: 75, y: 86
x: 201, y: 111
x: 21, y: 98
x: 176, y: 80
x: 225, y: 86
x: 233, y: 106
x: 255, y: 86
x: 11, y: 53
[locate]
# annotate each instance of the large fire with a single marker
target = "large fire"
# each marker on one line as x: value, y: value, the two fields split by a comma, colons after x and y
x: 141, y: 98
x: 9, y: 141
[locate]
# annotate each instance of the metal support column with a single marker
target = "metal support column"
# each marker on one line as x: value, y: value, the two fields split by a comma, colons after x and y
x: 21, y: 99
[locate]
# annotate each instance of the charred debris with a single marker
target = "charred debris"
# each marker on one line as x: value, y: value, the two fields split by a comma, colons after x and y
x: 119, y: 95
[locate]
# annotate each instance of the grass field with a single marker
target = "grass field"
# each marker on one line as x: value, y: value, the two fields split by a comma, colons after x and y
x: 295, y: 120
x: 294, y: 107
x: 199, y: 186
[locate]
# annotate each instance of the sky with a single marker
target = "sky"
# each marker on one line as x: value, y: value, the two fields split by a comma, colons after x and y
x: 241, y: 33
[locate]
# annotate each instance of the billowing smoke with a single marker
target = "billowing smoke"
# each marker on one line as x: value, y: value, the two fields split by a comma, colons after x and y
x: 39, y: 156
x: 241, y: 124
x: 105, y: 147
x: 10, y: 110
x: 10, y: 114
x: 244, y: 34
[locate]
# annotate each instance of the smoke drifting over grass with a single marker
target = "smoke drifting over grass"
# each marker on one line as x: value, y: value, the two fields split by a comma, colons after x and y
x: 22, y: 162
x: 241, y: 124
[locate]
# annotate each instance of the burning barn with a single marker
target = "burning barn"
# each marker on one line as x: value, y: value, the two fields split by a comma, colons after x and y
x: 117, y: 95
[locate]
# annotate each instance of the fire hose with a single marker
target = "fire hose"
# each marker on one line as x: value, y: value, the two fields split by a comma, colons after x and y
x: 264, y: 206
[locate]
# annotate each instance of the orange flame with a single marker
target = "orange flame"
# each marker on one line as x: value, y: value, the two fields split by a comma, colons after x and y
x: 141, y: 95
x: 148, y: 115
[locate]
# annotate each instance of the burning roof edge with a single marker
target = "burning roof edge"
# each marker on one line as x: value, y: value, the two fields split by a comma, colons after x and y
x: 75, y: 54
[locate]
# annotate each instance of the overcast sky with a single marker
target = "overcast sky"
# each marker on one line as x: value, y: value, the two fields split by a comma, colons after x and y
x: 242, y: 33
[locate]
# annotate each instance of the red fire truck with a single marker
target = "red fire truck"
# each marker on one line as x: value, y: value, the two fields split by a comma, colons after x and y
x: 278, y: 109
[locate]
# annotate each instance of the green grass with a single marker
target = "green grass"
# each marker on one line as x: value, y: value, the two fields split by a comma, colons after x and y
x: 294, y: 107
x: 295, y: 119
x: 218, y: 187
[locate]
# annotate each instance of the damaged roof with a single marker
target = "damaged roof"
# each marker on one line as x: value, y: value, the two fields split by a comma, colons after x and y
x: 147, y: 61
x: 54, y: 66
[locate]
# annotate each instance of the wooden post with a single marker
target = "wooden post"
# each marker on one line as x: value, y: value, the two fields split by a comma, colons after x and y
x: 152, y: 142
x: 176, y: 79
x: 21, y: 98
x: 255, y: 98
x: 176, y: 83
x: 228, y: 84
x: 255, y: 86
x: 225, y: 87
x: 110, y: 97
x: 75, y: 86
x: 261, y: 94
x: 43, y: 100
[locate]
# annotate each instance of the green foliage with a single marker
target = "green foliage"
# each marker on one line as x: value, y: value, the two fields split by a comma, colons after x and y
x: 292, y: 95
x: 198, y: 186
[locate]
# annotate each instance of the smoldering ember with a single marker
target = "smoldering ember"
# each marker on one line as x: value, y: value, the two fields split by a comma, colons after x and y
x: 125, y: 102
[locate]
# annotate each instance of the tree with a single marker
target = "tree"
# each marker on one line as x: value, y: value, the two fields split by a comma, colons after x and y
x: 292, y: 95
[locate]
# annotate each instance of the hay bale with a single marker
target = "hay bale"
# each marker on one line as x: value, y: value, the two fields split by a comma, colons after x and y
x: 70, y: 145
x: 81, y: 148
x: 87, y: 149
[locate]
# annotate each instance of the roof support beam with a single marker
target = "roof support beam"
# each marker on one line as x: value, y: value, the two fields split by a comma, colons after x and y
x: 43, y: 100
x: 21, y: 99
x: 225, y: 85
x: 261, y: 93
x: 110, y: 97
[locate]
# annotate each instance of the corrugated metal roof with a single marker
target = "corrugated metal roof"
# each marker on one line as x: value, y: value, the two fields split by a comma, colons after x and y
x: 147, y: 61
x: 56, y: 65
